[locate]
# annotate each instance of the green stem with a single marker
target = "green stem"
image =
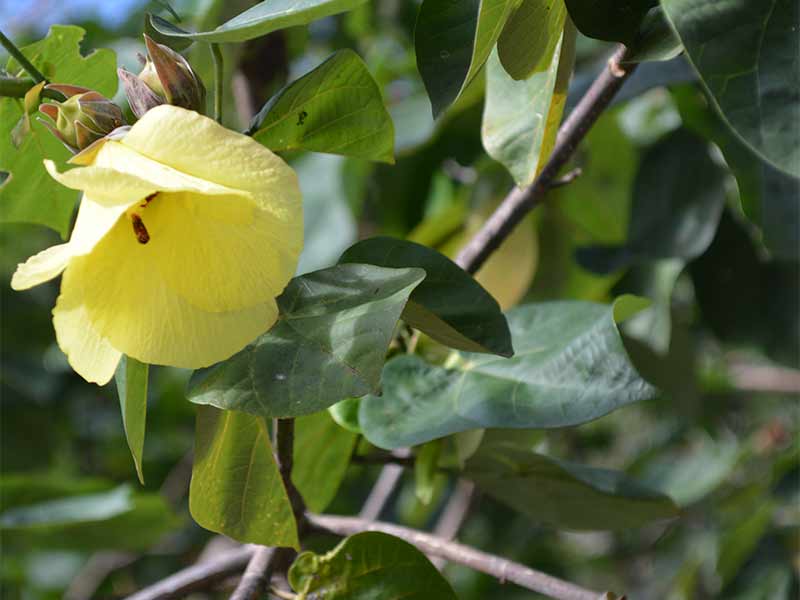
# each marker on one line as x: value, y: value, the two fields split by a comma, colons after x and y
x: 17, y: 87
x: 35, y: 74
x: 216, y: 52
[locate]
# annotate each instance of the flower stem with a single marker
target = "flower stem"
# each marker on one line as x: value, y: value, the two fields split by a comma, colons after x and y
x: 17, y: 87
x: 35, y: 74
x: 218, y: 72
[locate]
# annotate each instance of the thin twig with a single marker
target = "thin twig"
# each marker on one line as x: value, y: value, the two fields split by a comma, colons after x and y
x: 519, y: 202
x: 384, y: 487
x: 35, y: 73
x: 256, y: 575
x: 216, y: 53
x: 383, y: 458
x: 454, y: 514
x: 201, y: 576
x: 496, y: 566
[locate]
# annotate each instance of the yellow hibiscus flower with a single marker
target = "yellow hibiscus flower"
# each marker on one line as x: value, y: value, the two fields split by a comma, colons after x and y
x: 185, y: 235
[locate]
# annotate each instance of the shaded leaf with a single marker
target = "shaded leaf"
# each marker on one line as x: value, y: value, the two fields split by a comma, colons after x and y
x: 746, y: 54
x: 336, y: 108
x: 131, y: 380
x: 236, y: 488
x: 453, y: 41
x: 565, y: 495
x: 769, y: 197
x: 655, y: 41
x: 329, y: 343
x: 448, y: 305
x: 322, y: 452
x: 116, y: 518
x: 367, y: 566
x: 521, y: 118
x: 673, y: 216
x: 425, y: 470
x: 261, y: 19
x: 29, y: 194
x: 610, y: 20
x: 570, y: 367
x: 530, y: 37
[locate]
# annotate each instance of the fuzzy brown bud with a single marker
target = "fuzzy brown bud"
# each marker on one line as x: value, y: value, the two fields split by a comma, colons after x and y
x: 167, y: 78
x: 83, y: 118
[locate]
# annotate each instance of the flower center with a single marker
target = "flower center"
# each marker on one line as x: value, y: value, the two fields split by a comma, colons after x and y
x: 139, y: 230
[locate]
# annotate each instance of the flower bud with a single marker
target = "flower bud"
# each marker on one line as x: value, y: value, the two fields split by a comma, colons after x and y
x: 166, y: 78
x: 83, y: 118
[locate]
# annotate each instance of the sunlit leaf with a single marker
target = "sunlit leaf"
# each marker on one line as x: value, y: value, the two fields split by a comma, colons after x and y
x: 236, y: 488
x: 29, y: 194
x: 261, y: 19
x: 336, y: 108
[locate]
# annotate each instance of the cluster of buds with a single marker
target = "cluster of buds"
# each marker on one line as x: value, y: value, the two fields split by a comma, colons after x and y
x: 83, y: 118
x: 166, y: 78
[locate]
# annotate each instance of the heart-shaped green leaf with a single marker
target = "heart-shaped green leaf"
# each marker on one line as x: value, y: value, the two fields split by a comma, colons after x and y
x: 449, y: 305
x: 747, y: 56
x: 570, y: 367
x: 336, y: 108
x: 329, y: 344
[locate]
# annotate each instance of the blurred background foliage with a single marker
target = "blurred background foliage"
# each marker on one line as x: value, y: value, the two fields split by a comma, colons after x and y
x: 720, y: 339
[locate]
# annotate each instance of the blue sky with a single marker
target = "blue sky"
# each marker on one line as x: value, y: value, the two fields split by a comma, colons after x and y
x: 40, y: 14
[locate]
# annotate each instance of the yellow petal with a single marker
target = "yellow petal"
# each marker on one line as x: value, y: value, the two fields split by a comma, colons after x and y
x: 127, y: 302
x: 215, y: 261
x: 91, y: 356
x: 41, y: 267
x: 122, y: 176
x: 170, y: 135
x: 93, y: 222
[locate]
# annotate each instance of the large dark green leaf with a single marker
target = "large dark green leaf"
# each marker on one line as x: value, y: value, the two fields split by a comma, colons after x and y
x: 610, y: 20
x: 236, y: 488
x: 748, y: 55
x: 322, y: 452
x: 336, y: 108
x: 367, y: 566
x: 329, y: 343
x: 453, y: 40
x: 261, y: 19
x: 131, y: 380
x: 769, y: 197
x: 570, y: 367
x: 530, y: 36
x: 562, y: 494
x: 449, y: 305
x: 117, y: 518
x: 29, y: 194
x: 521, y: 118
x: 673, y: 215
